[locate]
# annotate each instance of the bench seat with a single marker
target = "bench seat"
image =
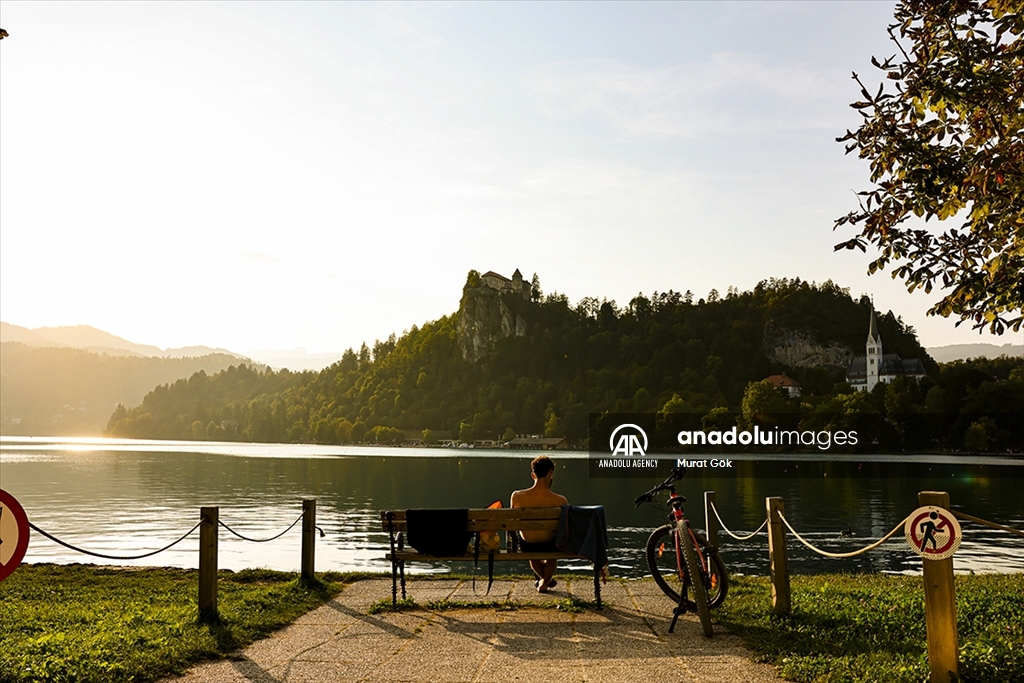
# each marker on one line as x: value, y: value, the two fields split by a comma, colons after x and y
x: 507, y: 520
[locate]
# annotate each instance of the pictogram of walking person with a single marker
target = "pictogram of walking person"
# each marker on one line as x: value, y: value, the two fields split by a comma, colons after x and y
x: 928, y: 531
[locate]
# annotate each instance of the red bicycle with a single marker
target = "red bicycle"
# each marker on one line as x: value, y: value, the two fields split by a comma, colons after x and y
x: 674, y: 564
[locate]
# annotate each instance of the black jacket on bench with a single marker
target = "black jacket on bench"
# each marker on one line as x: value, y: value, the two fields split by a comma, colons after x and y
x: 439, y: 533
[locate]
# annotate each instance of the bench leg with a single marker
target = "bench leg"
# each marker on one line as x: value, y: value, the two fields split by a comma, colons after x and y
x: 597, y: 586
x: 401, y: 570
x: 394, y: 583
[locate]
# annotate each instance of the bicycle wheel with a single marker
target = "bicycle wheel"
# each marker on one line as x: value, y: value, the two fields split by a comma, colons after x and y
x: 700, y: 593
x: 661, y: 559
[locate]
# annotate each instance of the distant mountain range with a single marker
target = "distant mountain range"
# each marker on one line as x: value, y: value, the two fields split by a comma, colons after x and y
x: 91, y: 339
x: 62, y: 391
x: 948, y: 354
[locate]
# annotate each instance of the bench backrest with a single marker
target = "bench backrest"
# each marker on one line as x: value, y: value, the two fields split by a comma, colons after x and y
x: 501, y: 519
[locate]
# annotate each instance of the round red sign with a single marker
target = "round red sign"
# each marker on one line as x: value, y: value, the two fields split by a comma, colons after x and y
x: 13, y: 534
x: 932, y: 532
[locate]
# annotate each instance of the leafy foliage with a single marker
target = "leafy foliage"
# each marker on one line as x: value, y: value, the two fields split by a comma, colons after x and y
x: 948, y: 141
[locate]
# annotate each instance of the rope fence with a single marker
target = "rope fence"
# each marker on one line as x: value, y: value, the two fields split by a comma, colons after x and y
x: 985, y: 522
x: 854, y: 553
x: 939, y: 587
x: 726, y: 529
x: 209, y: 522
x: 272, y: 538
x: 113, y: 557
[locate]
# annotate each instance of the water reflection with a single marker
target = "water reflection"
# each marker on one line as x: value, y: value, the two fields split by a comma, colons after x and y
x: 128, y: 497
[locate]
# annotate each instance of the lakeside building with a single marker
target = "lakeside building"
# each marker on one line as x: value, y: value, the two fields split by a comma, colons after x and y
x: 792, y: 388
x: 865, y: 372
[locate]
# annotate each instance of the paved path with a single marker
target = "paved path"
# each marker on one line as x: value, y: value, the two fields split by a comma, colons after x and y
x: 626, y: 641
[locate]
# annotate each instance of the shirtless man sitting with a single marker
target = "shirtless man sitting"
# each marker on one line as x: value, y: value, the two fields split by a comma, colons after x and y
x: 540, y: 495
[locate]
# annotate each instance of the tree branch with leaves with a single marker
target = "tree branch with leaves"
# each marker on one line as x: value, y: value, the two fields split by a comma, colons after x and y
x: 946, y: 142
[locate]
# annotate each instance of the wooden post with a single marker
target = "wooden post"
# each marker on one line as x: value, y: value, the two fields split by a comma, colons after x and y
x: 940, y: 606
x: 778, y: 563
x: 308, y: 539
x: 710, y: 522
x: 208, y: 563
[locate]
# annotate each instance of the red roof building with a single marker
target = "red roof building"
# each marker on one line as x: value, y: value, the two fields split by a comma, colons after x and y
x: 786, y: 383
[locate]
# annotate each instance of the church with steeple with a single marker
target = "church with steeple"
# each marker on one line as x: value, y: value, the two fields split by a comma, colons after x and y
x: 865, y: 372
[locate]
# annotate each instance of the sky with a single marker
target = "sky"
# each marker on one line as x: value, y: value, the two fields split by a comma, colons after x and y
x: 280, y: 175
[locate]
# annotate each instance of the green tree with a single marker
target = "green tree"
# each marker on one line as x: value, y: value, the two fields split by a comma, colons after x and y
x: 343, y: 431
x: 762, y: 403
x: 976, y: 438
x: 553, y: 425
x: 358, y: 431
x: 718, y: 419
x: 944, y: 144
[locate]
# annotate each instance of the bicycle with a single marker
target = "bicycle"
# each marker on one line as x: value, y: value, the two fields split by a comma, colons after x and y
x: 673, y: 570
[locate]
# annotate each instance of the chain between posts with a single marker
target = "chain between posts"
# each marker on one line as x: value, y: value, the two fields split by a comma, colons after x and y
x: 726, y: 529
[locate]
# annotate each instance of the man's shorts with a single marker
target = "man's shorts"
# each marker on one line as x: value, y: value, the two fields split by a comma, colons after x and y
x: 542, y: 547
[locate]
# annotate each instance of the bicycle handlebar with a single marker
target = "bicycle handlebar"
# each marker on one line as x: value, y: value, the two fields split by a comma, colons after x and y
x: 677, y: 474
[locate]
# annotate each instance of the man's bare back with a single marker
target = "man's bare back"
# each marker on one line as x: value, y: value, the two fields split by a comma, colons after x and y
x: 540, y: 495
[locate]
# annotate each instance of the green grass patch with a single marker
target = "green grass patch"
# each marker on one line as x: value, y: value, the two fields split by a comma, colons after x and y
x: 385, y: 605
x: 870, y: 628
x: 89, y: 624
x: 572, y: 604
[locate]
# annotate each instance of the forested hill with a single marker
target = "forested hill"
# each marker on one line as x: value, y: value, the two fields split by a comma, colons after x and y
x: 505, y: 363
x: 70, y: 392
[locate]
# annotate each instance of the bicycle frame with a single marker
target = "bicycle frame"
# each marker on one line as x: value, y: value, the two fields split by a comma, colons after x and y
x: 677, y: 516
x: 698, y: 567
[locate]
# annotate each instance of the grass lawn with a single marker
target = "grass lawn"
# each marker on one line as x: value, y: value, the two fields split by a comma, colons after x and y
x: 71, y: 623
x: 870, y: 627
x: 91, y: 624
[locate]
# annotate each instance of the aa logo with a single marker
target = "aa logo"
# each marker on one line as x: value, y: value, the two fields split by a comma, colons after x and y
x: 626, y: 440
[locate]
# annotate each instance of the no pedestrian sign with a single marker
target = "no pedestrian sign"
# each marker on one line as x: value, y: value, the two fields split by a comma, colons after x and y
x: 13, y: 534
x: 933, y: 532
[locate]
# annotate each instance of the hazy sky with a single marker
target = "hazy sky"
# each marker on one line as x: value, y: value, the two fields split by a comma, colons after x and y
x: 260, y: 175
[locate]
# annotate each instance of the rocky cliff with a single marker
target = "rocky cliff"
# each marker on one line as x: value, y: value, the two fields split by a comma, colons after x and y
x: 486, y: 315
x: 800, y: 349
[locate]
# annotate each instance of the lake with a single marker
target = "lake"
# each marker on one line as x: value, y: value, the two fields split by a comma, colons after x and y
x: 118, y: 496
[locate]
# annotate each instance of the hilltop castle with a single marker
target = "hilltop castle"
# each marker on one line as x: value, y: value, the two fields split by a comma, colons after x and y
x: 865, y: 372
x: 501, y: 283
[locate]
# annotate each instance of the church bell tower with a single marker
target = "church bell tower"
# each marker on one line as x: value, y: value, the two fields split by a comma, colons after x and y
x: 873, y: 359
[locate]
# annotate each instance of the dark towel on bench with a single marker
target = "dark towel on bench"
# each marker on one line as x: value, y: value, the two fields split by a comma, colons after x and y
x: 439, y: 533
x: 582, y: 530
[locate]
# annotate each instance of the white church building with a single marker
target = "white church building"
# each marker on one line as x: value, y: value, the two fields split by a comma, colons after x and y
x: 865, y: 372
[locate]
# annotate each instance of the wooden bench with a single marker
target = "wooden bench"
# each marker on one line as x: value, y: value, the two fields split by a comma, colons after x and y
x: 509, y: 520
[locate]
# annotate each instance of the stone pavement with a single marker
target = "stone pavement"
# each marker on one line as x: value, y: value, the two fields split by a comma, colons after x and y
x: 626, y: 641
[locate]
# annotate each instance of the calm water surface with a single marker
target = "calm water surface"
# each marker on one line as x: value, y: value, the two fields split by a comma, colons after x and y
x: 127, y: 497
